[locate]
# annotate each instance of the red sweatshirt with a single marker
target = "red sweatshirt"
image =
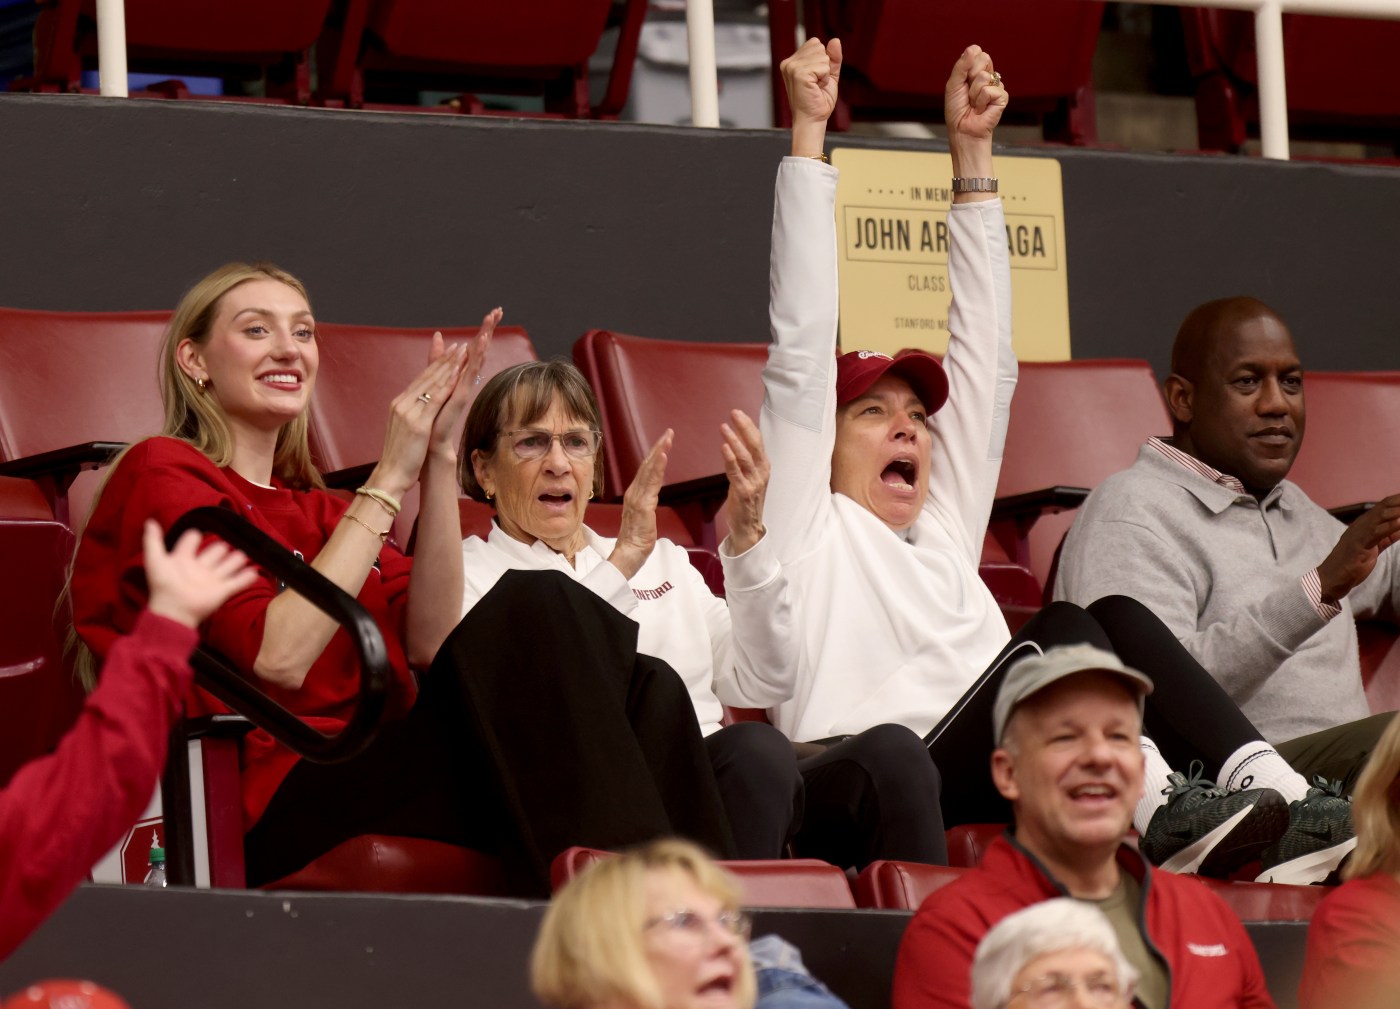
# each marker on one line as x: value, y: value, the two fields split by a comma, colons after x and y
x: 1354, y: 947
x: 62, y: 812
x: 162, y: 478
x: 1211, y: 962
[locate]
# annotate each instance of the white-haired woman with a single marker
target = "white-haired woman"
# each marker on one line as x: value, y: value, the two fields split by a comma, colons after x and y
x: 1058, y: 953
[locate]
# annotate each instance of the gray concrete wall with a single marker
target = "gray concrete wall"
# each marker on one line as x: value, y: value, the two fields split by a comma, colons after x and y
x: 431, y: 219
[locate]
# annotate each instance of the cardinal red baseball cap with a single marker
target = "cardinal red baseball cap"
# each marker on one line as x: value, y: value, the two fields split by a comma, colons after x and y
x: 64, y: 994
x: 860, y: 369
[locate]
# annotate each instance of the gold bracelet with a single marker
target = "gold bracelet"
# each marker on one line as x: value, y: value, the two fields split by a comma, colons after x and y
x: 391, y: 504
x: 816, y: 157
x: 383, y: 537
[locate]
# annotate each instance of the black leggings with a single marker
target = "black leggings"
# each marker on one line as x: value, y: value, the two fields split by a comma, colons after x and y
x: 871, y: 796
x: 1189, y: 715
x: 539, y: 726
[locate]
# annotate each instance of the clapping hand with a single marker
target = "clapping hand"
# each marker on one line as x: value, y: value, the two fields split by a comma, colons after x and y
x: 636, y: 535
x: 746, y: 465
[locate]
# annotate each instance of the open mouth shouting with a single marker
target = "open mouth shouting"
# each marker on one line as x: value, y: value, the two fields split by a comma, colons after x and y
x: 901, y: 474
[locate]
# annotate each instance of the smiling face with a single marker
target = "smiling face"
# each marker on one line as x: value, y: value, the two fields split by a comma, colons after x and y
x: 1242, y: 411
x: 1072, y: 767
x: 883, y: 451
x: 694, y: 968
x: 544, y: 498
x: 260, y: 358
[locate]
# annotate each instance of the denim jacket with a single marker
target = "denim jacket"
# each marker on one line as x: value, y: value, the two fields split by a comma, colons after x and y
x: 783, y: 982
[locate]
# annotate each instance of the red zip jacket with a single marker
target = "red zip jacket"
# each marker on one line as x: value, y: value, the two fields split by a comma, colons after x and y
x: 1211, y: 964
x: 61, y: 813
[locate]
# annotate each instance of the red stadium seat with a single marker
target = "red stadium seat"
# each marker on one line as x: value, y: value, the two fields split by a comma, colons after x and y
x: 1349, y: 457
x: 1220, y: 49
x: 362, y: 369
x: 968, y: 842
x: 890, y: 46
x: 636, y: 382
x: 791, y: 882
x: 39, y: 699
x: 901, y: 886
x: 70, y: 379
x: 1073, y: 423
x: 269, y: 40
x: 530, y: 47
x: 1269, y: 901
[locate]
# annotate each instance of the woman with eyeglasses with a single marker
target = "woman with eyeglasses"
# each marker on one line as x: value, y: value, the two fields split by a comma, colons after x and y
x: 455, y: 759
x: 1058, y: 954
x: 655, y: 928
x: 531, y: 449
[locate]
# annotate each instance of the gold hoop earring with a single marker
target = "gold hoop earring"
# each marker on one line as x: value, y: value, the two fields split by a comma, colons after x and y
x: 488, y: 495
x: 590, y: 495
x: 203, y: 383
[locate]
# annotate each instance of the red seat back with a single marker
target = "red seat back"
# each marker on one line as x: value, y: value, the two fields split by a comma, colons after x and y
x: 889, y: 44
x: 1268, y: 901
x: 1047, y: 44
x: 1346, y: 411
x: 968, y: 842
x: 364, y: 367
x: 792, y: 882
x: 248, y: 26
x: 901, y: 886
x: 68, y: 378
x: 646, y: 386
x: 1222, y: 54
x: 1073, y: 423
x: 73, y: 377
x: 39, y: 699
x: 375, y: 863
x: 525, y: 33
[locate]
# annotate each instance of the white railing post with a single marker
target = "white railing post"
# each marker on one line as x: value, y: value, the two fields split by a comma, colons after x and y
x: 1273, y: 93
x: 111, y: 48
x: 704, y: 77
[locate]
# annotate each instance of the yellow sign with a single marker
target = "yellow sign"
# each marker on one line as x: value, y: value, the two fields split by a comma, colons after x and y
x: 891, y: 222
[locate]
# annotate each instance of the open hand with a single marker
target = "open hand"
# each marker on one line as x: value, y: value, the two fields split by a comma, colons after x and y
x: 746, y: 465
x: 1357, y: 550
x: 188, y: 584
x: 444, y: 433
x: 636, y: 535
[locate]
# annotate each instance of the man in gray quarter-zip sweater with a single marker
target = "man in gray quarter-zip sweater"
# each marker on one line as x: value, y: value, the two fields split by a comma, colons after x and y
x: 1258, y: 582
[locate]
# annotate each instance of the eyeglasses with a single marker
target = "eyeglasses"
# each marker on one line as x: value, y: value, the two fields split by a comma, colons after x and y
x: 533, y: 443
x: 1051, y: 991
x: 694, y: 926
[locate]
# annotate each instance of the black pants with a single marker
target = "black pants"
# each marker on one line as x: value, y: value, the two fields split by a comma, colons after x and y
x: 538, y: 726
x: 871, y: 796
x: 1189, y: 715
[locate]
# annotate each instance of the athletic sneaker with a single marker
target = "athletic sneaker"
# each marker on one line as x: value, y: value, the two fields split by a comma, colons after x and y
x: 1205, y: 829
x: 1320, y: 836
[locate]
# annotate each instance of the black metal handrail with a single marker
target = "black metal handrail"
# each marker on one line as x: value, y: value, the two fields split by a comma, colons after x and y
x: 243, y: 695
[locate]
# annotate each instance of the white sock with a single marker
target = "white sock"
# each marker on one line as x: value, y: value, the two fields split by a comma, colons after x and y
x: 1258, y: 765
x: 1154, y: 781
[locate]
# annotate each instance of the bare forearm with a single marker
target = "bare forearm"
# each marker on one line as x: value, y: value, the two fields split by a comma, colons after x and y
x: 295, y: 632
x: 435, y: 587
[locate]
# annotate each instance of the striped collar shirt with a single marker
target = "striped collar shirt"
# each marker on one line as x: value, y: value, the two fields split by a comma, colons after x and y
x: 1311, y: 582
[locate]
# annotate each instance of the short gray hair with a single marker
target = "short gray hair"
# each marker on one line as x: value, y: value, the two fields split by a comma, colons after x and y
x: 1048, y: 927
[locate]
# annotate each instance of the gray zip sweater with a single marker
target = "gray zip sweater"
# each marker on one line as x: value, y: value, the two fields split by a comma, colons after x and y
x: 1225, y: 573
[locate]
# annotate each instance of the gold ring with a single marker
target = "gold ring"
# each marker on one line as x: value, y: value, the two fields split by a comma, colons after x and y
x: 426, y: 398
x: 996, y: 78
